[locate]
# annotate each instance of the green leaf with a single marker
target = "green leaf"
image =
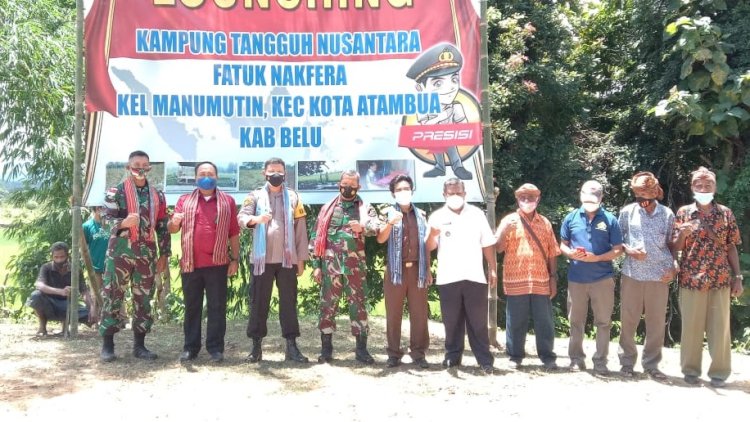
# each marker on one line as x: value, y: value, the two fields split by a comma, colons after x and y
x: 746, y: 96
x: 687, y: 68
x: 697, y: 128
x: 719, y: 75
x: 739, y: 113
x: 703, y: 54
x: 699, y: 80
x: 718, y: 117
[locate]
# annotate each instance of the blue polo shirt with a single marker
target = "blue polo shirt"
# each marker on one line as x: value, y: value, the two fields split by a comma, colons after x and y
x: 598, y: 236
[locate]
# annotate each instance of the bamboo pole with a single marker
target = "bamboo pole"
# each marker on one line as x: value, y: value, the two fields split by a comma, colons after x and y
x: 490, y: 195
x: 76, y: 208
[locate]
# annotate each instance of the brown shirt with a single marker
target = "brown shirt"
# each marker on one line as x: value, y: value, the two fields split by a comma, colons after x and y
x: 410, y: 237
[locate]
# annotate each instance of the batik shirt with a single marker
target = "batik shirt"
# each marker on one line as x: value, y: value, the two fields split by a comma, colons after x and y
x: 704, y: 263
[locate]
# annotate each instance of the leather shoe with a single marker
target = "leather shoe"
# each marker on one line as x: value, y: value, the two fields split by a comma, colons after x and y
x: 393, y: 362
x: 187, y: 355
x: 447, y: 363
x: 217, y: 357
x: 488, y: 369
x: 422, y: 363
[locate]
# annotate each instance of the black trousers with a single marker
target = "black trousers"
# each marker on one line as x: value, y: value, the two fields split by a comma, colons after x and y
x: 212, y: 281
x: 464, y: 308
x: 260, y: 301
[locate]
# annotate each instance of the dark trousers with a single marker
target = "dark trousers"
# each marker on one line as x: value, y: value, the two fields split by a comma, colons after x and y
x: 260, y: 301
x: 212, y: 281
x: 464, y: 308
x: 416, y: 298
x: 517, y: 312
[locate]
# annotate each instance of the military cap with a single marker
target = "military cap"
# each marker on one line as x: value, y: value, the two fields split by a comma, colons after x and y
x: 439, y: 60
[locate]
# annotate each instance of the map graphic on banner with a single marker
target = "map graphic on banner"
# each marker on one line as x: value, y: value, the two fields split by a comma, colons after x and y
x: 384, y: 87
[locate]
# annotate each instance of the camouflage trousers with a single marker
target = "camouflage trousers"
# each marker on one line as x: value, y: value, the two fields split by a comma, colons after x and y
x: 351, y: 285
x: 123, y: 266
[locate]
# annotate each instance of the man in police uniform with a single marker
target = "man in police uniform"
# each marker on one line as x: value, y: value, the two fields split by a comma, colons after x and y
x: 437, y: 71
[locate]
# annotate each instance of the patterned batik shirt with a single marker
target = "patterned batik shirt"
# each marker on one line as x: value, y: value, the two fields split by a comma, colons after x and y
x: 704, y: 263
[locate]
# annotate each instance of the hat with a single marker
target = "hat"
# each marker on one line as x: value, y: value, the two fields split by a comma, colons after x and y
x: 592, y: 191
x: 527, y: 189
x: 703, y: 174
x: 439, y: 60
x: 646, y: 185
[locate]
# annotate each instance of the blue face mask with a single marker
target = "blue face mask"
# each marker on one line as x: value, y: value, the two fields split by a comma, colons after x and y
x: 206, y: 183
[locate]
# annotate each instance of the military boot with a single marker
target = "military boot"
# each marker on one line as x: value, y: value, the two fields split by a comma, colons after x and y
x: 256, y: 354
x: 326, y: 348
x: 293, y: 353
x: 108, y: 348
x: 361, y: 354
x: 139, y: 348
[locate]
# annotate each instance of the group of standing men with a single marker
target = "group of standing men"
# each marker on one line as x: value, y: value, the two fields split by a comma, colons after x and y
x: 698, y: 246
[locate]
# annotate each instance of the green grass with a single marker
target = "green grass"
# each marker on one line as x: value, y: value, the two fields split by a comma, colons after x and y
x: 8, y: 248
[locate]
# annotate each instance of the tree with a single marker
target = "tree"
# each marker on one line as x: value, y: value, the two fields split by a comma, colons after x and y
x: 37, y: 56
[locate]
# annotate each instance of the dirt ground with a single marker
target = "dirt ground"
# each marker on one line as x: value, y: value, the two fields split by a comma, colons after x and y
x: 41, y: 379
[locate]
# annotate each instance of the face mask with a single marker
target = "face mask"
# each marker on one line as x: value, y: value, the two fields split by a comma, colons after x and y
x: 527, y: 207
x: 403, y: 197
x: 703, y: 198
x: 590, y: 206
x: 348, y: 192
x: 275, y: 179
x: 139, y: 174
x: 643, y: 202
x: 206, y: 183
x: 454, y: 202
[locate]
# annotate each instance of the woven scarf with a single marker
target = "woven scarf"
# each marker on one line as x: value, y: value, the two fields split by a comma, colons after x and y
x: 261, y: 231
x: 324, y: 220
x: 395, y: 248
x: 131, y: 200
x: 224, y: 213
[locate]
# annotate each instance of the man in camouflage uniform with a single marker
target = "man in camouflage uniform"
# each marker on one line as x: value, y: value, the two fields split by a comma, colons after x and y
x: 338, y: 262
x: 136, y: 215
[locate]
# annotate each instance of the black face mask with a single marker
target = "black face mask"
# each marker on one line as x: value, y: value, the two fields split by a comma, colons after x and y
x: 275, y: 179
x: 348, y: 192
x: 643, y: 202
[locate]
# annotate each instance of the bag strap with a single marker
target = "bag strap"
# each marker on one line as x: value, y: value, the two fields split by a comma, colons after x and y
x: 528, y: 228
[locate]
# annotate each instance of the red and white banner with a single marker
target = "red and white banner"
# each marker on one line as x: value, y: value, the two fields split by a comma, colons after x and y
x: 380, y: 86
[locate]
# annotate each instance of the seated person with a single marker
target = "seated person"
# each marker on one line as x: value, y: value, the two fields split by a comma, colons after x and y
x: 50, y: 299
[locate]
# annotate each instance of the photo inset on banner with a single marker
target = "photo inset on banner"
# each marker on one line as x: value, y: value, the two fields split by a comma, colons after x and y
x: 251, y: 176
x: 116, y: 173
x: 377, y: 174
x: 318, y: 175
x: 181, y: 176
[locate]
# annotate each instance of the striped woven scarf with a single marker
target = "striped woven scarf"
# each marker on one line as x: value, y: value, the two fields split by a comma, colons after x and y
x: 324, y: 220
x: 131, y: 200
x: 224, y: 213
x: 395, y: 248
x: 261, y: 231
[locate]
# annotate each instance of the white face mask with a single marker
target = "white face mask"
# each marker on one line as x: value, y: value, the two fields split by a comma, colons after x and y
x: 703, y: 198
x: 590, y: 206
x: 403, y: 197
x: 527, y: 207
x: 454, y: 202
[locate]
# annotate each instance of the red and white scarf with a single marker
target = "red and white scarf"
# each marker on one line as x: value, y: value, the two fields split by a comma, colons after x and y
x: 224, y: 214
x: 134, y: 207
x: 324, y: 220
